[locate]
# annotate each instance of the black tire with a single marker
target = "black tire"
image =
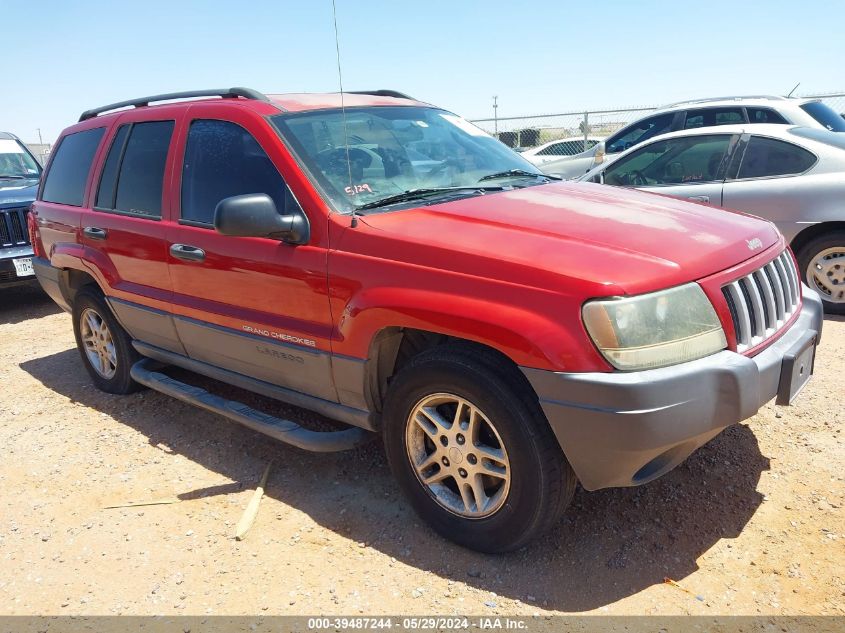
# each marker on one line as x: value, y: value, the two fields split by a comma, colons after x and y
x: 542, y: 482
x: 805, y: 256
x: 90, y: 298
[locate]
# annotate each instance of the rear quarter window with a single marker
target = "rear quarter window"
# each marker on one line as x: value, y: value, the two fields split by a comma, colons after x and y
x: 767, y: 157
x: 765, y: 115
x: 68, y: 173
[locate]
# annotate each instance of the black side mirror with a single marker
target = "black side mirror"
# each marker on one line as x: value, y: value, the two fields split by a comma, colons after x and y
x: 255, y: 215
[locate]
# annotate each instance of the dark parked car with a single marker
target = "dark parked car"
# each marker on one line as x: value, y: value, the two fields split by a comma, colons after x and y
x: 19, y: 176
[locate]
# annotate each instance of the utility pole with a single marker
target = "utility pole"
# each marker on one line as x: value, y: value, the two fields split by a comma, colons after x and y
x: 495, y: 116
x: 40, y: 142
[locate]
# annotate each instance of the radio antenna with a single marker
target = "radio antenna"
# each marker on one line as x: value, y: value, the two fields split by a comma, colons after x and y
x: 343, y: 111
x: 793, y: 90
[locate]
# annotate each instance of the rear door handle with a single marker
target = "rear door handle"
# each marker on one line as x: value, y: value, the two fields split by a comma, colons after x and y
x: 187, y: 253
x: 95, y: 233
x: 705, y: 199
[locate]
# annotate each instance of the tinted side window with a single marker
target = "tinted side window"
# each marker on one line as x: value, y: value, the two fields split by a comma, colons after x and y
x: 639, y: 132
x: 713, y: 116
x: 108, y: 179
x: 141, y: 178
x: 764, y: 115
x: 221, y: 160
x: 675, y: 161
x: 69, y: 169
x: 769, y: 157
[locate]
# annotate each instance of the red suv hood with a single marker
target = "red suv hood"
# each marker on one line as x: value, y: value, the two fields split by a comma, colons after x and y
x: 623, y: 240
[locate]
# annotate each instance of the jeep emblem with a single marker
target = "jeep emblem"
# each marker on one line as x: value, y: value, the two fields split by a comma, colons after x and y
x: 754, y: 244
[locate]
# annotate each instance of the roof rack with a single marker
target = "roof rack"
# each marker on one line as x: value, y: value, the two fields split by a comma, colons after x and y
x: 381, y: 93
x: 737, y: 98
x: 226, y: 93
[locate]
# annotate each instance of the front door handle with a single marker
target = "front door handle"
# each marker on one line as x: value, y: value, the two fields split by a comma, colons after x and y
x: 95, y: 233
x: 705, y: 199
x: 187, y: 253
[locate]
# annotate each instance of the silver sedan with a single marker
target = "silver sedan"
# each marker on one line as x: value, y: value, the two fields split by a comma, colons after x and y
x: 792, y: 176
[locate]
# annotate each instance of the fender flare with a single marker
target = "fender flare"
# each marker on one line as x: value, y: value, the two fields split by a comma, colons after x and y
x: 528, y: 338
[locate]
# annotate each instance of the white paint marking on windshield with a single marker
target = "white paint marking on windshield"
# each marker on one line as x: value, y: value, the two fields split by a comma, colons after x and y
x: 465, y: 125
x: 8, y: 146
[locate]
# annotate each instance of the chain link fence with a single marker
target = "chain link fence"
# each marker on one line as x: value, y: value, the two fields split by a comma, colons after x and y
x: 584, y: 127
x: 835, y: 101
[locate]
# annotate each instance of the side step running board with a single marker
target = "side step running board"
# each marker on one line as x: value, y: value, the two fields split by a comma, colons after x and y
x: 277, y: 428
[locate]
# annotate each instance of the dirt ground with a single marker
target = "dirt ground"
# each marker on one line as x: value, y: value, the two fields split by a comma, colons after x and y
x: 751, y: 524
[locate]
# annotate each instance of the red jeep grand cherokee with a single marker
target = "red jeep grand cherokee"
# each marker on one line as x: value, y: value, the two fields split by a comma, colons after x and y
x: 387, y: 264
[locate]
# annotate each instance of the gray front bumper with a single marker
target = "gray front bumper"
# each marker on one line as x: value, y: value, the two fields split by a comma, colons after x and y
x: 624, y: 429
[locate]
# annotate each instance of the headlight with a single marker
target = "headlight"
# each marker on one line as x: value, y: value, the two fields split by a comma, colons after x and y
x: 655, y: 330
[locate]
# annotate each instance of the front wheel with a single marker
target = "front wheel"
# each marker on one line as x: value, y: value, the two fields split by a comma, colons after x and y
x: 104, y: 346
x: 822, y: 264
x: 472, y: 451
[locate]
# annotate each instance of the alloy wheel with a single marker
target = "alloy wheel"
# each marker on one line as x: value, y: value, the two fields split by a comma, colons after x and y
x: 98, y: 343
x: 458, y: 455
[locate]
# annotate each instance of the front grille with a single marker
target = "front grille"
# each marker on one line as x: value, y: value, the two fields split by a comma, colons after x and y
x: 763, y: 301
x: 13, y: 231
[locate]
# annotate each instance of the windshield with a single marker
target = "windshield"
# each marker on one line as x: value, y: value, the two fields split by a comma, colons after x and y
x: 825, y: 115
x: 398, y: 150
x: 15, y: 161
x: 639, y: 132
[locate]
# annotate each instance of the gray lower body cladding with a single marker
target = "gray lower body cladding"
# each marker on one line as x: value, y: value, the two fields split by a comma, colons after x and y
x: 624, y: 429
x: 297, y: 368
x: 301, y: 377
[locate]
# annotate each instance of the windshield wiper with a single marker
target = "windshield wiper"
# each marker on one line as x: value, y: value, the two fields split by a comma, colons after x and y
x: 416, y: 194
x: 5, y: 177
x: 517, y: 173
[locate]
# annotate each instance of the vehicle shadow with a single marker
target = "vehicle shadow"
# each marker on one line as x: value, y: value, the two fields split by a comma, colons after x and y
x: 21, y: 303
x: 610, y: 544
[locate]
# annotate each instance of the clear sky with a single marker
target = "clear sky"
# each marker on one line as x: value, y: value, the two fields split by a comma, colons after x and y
x: 60, y: 58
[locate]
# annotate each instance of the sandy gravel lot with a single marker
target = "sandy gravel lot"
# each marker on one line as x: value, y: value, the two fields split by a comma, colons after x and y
x: 750, y: 524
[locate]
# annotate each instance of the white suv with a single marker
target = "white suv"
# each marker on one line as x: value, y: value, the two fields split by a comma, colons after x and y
x: 701, y: 113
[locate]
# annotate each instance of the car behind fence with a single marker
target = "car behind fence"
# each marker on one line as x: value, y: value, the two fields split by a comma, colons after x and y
x: 530, y: 131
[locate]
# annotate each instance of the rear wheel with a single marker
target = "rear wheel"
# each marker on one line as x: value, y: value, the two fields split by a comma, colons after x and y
x: 105, y: 347
x: 471, y: 449
x: 822, y: 264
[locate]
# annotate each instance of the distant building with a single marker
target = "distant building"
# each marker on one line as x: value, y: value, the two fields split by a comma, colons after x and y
x: 40, y: 150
